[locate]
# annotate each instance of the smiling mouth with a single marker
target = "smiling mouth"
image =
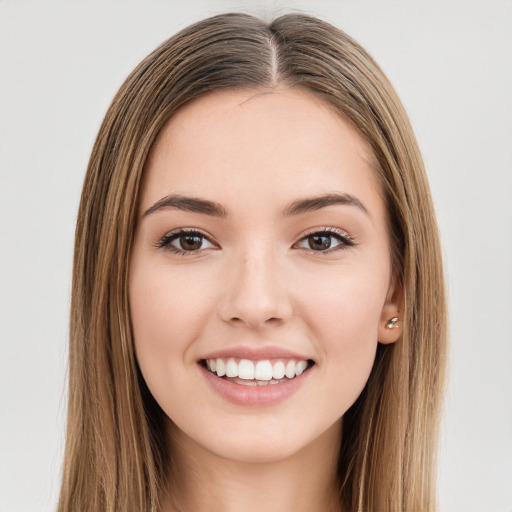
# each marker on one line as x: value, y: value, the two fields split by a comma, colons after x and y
x: 257, y: 373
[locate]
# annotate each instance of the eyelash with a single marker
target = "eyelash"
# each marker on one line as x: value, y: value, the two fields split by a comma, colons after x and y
x: 166, y: 240
x: 344, y: 239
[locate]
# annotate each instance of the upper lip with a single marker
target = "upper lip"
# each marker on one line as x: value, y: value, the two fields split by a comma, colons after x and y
x: 255, y: 353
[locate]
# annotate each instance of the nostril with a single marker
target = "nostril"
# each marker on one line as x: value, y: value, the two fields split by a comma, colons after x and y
x: 274, y: 321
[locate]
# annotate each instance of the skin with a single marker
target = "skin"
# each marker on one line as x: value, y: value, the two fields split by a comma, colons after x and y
x: 255, y: 281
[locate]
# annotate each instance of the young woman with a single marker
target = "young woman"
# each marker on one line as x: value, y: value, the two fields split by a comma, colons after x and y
x: 258, y: 314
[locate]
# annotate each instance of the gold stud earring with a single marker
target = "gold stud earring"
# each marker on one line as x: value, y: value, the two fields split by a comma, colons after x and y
x: 391, y: 323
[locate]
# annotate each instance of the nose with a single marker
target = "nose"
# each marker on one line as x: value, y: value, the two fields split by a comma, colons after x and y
x: 255, y: 292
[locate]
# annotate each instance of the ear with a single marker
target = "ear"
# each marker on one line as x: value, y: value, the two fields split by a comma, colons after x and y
x: 389, y: 328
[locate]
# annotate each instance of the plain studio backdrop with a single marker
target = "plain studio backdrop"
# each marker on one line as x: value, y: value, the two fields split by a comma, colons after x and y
x: 60, y: 65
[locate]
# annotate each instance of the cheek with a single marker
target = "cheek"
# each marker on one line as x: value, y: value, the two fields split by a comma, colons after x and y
x: 165, y: 313
x: 166, y: 303
x: 346, y: 305
x: 344, y: 319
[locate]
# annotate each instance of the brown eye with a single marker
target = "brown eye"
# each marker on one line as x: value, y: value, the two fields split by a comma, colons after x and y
x: 185, y: 242
x: 190, y: 242
x: 326, y: 240
x: 319, y: 242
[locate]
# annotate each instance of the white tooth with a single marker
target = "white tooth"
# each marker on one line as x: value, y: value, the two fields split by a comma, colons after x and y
x: 220, y: 367
x: 211, y: 364
x: 261, y: 382
x: 231, y: 368
x: 246, y: 369
x: 263, y: 370
x: 290, y: 369
x: 278, y: 370
x: 274, y: 382
x: 300, y: 367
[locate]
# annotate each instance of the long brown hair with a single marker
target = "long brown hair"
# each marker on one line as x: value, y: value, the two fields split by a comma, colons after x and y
x: 116, y: 452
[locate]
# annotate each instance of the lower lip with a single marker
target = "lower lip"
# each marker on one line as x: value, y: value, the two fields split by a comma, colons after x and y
x: 239, y: 394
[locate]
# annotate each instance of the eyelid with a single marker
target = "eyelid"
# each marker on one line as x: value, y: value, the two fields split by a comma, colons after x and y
x: 328, y: 230
x: 164, y: 242
x: 346, y: 240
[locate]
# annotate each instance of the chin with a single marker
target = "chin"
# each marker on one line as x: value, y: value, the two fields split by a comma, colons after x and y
x: 259, y: 440
x: 257, y: 449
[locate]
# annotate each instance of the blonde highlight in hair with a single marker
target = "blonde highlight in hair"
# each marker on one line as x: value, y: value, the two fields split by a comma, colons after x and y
x: 116, y: 451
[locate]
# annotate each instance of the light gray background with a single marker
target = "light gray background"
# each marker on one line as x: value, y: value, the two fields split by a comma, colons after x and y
x: 60, y: 65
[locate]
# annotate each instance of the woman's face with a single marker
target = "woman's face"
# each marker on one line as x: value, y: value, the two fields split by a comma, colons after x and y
x: 261, y: 247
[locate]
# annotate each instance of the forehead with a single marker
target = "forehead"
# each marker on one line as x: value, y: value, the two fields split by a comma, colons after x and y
x: 258, y: 147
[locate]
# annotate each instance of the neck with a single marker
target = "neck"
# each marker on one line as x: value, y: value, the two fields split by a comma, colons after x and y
x: 202, y: 481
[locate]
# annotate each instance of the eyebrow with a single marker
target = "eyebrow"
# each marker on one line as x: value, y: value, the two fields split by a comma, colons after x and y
x: 188, y: 204
x: 297, y: 207
x: 310, y: 204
